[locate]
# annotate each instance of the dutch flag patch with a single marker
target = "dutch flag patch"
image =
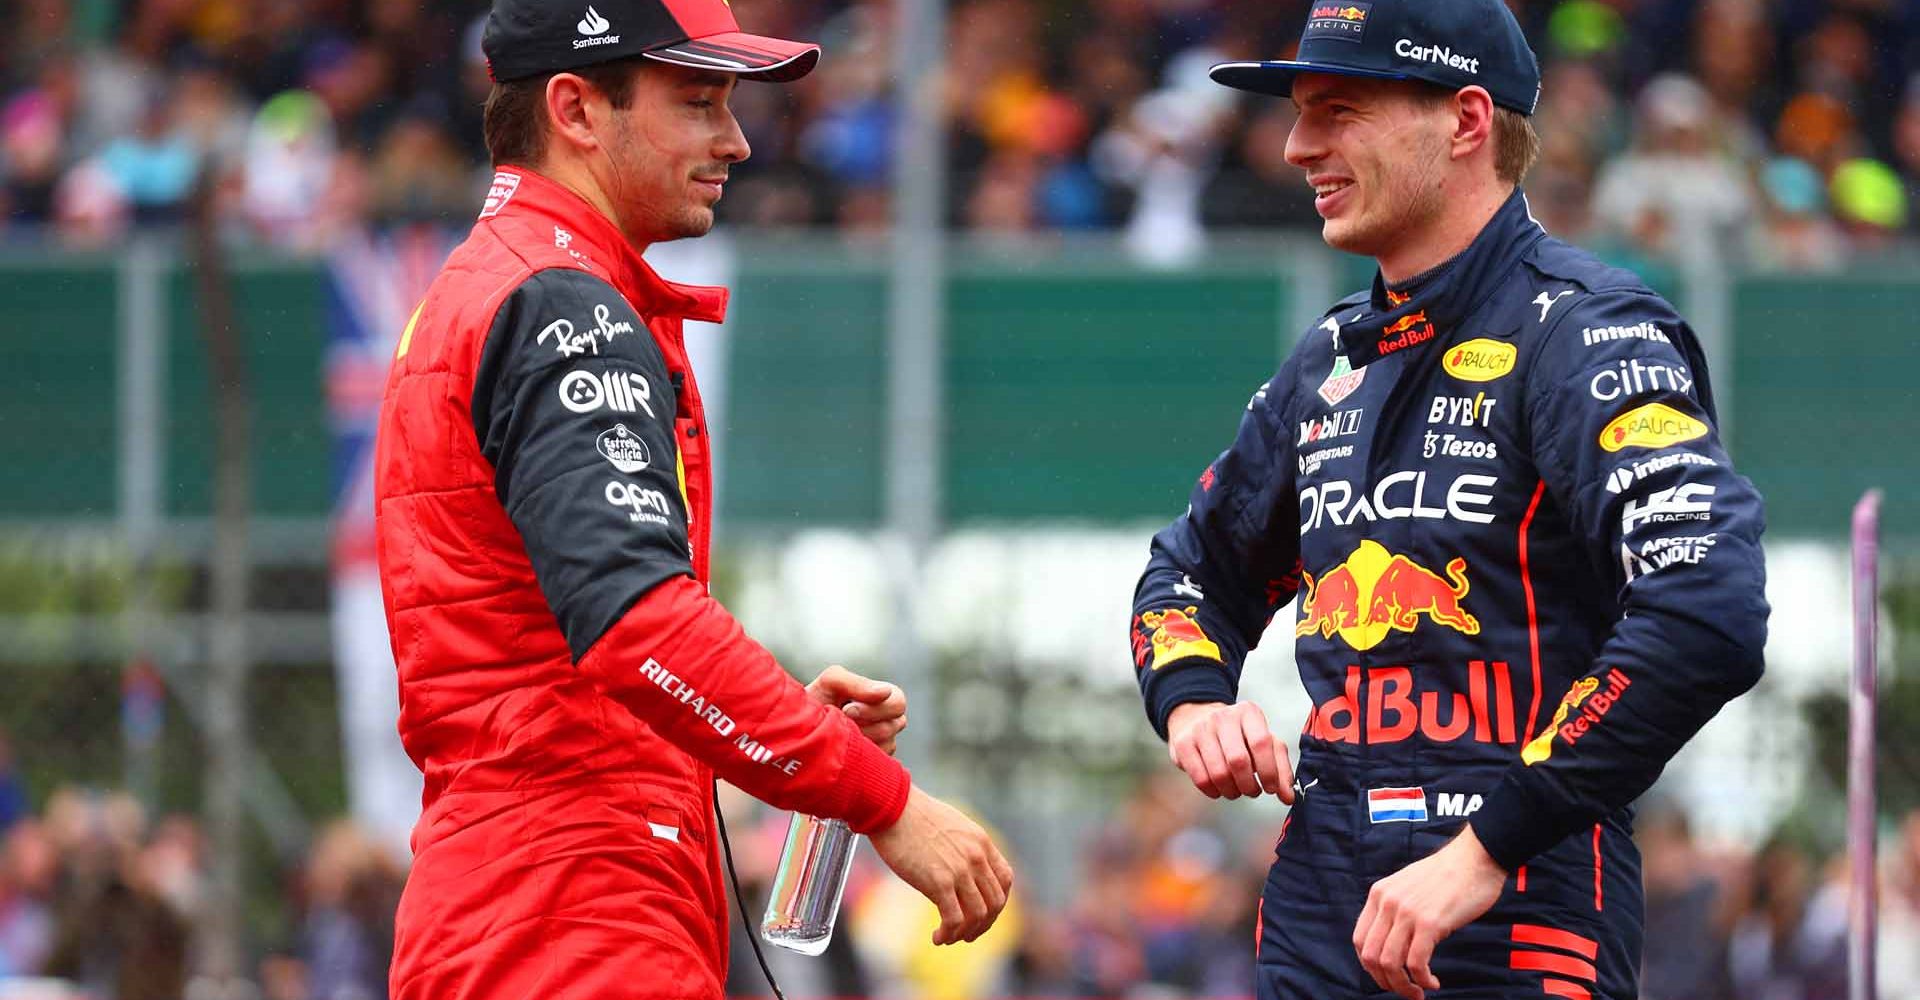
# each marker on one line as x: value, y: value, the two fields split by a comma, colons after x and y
x: 1397, y: 805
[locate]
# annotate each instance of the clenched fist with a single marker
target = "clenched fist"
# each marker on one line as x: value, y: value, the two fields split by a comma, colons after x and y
x: 1228, y: 750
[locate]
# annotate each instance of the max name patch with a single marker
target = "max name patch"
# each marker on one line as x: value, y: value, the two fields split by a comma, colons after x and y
x: 1344, y: 21
x: 1655, y: 425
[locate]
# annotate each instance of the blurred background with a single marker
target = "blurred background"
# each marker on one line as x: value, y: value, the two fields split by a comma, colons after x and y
x: 970, y: 367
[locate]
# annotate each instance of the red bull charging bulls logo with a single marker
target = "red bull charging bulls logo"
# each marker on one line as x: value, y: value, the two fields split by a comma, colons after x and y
x: 1173, y: 634
x: 1376, y: 592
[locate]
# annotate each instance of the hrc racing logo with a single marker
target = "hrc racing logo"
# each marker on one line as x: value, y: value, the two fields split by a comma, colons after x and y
x: 1593, y: 708
x: 1375, y: 593
x: 1480, y: 360
x: 1175, y: 634
x: 1655, y: 425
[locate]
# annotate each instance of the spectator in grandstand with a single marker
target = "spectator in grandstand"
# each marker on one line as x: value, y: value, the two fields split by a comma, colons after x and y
x: 1677, y: 193
x: 1255, y: 185
x: 1732, y: 52
x: 1687, y: 912
x: 13, y: 788
x: 27, y: 869
x: 1796, y: 233
x: 418, y: 172
x: 1870, y: 200
x: 33, y: 144
x: 1906, y: 143
x: 347, y: 939
x: 1898, y: 950
x: 156, y: 167
x: 1770, y: 955
x: 117, y: 932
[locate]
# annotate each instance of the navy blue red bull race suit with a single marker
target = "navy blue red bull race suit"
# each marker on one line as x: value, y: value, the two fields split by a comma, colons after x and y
x: 1527, y: 575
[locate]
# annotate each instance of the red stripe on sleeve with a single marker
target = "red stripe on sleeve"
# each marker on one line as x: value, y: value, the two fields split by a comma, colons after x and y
x: 1562, y: 988
x: 1552, y: 937
x: 1540, y: 961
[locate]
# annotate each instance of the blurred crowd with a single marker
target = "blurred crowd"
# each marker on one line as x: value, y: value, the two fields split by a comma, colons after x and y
x: 1678, y: 132
x: 99, y: 903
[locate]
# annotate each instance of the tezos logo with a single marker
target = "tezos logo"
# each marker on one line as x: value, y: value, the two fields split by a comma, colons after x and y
x: 623, y: 448
x: 594, y: 28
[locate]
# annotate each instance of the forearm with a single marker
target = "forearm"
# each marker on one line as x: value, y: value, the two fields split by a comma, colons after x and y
x: 679, y: 662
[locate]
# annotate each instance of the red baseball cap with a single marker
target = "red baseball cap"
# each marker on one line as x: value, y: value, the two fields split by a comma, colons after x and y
x: 525, y: 38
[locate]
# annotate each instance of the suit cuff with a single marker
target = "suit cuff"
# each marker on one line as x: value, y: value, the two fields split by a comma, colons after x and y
x: 1520, y: 819
x: 1194, y: 679
x: 875, y: 787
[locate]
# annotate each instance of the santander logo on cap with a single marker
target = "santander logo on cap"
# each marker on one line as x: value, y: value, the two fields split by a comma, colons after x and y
x: 594, y: 27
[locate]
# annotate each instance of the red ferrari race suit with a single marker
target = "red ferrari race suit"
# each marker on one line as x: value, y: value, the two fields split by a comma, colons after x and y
x: 567, y: 685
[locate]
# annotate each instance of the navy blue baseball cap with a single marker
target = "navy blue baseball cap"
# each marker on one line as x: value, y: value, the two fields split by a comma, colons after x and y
x: 1449, y: 43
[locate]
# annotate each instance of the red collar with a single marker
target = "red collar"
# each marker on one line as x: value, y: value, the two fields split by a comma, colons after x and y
x: 585, y: 238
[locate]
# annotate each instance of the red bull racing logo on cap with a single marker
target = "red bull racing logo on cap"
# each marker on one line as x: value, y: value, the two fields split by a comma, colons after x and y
x: 1376, y: 592
x: 1172, y: 634
x: 1345, y: 21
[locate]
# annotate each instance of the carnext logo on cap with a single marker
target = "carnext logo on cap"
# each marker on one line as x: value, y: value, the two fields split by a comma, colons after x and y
x: 1439, y: 55
x: 1345, y: 21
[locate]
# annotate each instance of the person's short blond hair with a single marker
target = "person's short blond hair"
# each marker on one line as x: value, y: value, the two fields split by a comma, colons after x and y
x: 1515, y: 144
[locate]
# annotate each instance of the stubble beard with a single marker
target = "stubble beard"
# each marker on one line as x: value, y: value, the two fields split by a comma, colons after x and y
x: 1401, y: 206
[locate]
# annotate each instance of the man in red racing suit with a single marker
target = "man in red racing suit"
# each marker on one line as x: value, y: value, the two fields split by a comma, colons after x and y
x: 544, y: 495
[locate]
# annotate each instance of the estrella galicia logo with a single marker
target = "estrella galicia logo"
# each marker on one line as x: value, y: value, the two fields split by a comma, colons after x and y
x: 624, y: 450
x: 1344, y: 21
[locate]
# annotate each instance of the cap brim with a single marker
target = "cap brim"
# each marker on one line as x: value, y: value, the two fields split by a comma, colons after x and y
x: 751, y: 57
x: 1276, y: 77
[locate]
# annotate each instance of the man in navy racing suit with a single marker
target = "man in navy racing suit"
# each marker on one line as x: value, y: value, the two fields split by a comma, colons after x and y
x: 1527, y: 571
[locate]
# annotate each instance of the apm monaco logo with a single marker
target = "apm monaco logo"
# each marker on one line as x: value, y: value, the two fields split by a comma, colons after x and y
x: 594, y: 28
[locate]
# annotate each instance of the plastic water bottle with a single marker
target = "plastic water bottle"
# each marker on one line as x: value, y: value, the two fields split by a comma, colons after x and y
x: 809, y: 883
